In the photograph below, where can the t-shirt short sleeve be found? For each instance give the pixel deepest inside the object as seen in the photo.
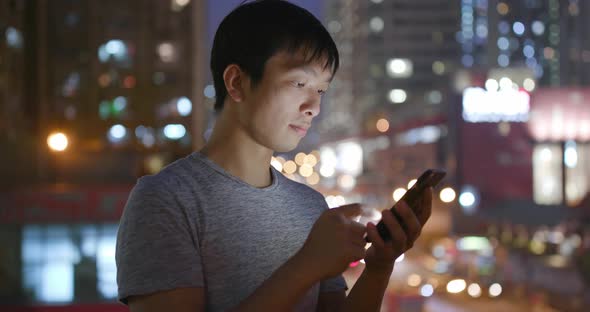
(156, 248)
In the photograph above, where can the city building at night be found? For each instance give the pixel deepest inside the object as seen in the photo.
(94, 95)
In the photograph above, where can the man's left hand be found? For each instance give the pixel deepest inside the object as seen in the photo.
(381, 255)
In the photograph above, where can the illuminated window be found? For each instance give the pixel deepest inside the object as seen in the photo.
(547, 174)
(577, 172)
(65, 263)
(549, 160)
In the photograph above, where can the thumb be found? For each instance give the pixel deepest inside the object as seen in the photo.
(348, 211)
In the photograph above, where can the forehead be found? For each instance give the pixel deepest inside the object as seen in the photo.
(287, 61)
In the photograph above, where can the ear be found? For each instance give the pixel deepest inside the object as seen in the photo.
(234, 79)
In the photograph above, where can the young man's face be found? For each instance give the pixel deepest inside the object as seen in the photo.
(278, 111)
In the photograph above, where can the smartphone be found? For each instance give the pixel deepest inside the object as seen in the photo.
(430, 178)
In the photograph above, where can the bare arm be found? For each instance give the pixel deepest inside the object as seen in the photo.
(366, 295)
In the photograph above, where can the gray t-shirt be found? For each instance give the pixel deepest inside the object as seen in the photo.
(195, 225)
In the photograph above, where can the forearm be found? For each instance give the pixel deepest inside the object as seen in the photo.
(282, 290)
(367, 293)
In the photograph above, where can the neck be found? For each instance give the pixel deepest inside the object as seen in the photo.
(238, 153)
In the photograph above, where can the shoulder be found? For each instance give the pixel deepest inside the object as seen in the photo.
(172, 178)
(303, 191)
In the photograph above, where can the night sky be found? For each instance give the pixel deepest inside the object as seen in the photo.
(218, 9)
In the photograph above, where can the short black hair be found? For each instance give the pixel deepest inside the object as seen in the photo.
(255, 31)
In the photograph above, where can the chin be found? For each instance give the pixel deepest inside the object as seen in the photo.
(284, 146)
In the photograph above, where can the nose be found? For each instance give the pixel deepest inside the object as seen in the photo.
(311, 107)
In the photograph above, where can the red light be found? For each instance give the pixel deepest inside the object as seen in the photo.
(129, 82)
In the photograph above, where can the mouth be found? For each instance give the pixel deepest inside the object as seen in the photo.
(299, 130)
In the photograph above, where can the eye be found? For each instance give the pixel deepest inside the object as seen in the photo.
(320, 92)
(299, 84)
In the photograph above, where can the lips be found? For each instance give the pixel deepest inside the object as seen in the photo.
(300, 130)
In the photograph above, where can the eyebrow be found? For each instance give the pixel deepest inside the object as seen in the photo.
(309, 70)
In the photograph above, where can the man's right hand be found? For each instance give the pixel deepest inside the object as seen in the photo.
(334, 242)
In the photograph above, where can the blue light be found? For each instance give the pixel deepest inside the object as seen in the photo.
(503, 60)
(531, 63)
(481, 31)
(120, 103)
(528, 51)
(209, 91)
(103, 55)
(13, 37)
(117, 133)
(174, 131)
(539, 71)
(503, 43)
(518, 28)
(184, 106)
(467, 60)
(115, 47)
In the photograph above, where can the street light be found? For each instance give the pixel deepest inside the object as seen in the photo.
(57, 141)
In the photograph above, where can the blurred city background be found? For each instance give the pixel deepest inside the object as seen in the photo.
(94, 94)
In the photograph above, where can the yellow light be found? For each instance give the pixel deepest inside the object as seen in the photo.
(305, 170)
(310, 160)
(398, 193)
(502, 8)
(411, 183)
(315, 153)
(382, 125)
(447, 195)
(313, 179)
(414, 280)
(537, 247)
(57, 141)
(299, 158)
(438, 68)
(182, 2)
(280, 159)
(456, 286)
(346, 181)
(433, 281)
(289, 167)
(276, 164)
(154, 164)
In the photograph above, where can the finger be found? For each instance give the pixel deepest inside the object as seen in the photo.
(374, 236)
(398, 236)
(359, 242)
(358, 228)
(413, 225)
(426, 206)
(348, 211)
(357, 253)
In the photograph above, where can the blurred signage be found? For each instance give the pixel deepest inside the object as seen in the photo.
(560, 114)
(480, 105)
(343, 157)
(72, 205)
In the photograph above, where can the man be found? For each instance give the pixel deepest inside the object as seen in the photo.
(221, 229)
